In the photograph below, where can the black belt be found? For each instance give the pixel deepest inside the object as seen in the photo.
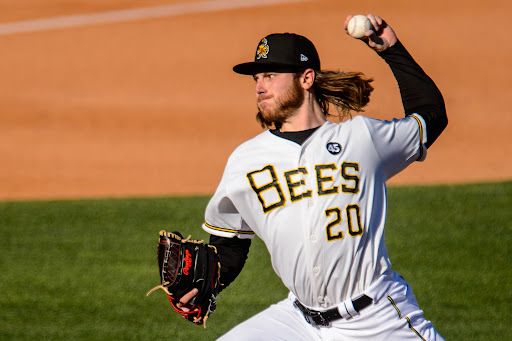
(323, 318)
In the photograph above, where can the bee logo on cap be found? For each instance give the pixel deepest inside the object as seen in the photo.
(263, 49)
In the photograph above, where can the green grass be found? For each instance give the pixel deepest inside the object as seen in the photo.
(80, 269)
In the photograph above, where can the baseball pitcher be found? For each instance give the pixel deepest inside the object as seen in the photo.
(315, 193)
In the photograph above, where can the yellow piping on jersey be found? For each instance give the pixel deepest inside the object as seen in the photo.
(407, 318)
(421, 135)
(223, 229)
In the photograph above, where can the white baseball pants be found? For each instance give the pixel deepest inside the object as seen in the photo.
(394, 316)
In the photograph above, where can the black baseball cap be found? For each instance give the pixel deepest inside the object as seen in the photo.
(281, 52)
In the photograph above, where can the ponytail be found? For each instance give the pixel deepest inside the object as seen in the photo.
(346, 91)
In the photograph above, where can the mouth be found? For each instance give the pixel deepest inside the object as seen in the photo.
(263, 98)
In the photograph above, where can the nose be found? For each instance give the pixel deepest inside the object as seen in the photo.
(260, 88)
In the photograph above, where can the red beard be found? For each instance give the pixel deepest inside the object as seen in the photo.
(283, 106)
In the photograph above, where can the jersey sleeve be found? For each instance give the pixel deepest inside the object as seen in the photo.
(398, 142)
(418, 91)
(222, 218)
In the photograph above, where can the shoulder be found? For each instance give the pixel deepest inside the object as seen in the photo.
(365, 121)
(354, 125)
(252, 144)
(250, 148)
(372, 124)
(354, 121)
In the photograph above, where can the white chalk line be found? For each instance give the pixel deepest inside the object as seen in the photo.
(117, 16)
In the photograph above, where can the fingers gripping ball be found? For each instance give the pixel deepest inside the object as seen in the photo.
(358, 25)
(186, 264)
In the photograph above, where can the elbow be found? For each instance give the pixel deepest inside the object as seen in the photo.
(437, 121)
(443, 119)
(437, 130)
(440, 118)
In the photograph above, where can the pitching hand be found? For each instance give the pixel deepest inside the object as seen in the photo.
(380, 37)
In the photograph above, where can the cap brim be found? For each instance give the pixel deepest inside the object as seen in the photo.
(252, 68)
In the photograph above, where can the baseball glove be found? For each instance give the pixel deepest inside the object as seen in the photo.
(186, 264)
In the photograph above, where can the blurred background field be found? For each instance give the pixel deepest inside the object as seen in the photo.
(80, 269)
(151, 106)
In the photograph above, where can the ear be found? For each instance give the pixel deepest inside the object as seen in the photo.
(307, 79)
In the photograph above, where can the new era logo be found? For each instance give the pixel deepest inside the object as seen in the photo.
(303, 58)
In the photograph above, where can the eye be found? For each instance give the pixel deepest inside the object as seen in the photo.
(270, 75)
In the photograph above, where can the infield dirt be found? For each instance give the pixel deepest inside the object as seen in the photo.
(151, 107)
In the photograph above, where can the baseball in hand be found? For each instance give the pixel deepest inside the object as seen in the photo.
(358, 25)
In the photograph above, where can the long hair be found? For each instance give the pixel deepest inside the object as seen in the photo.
(346, 91)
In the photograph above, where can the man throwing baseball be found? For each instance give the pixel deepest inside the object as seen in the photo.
(314, 191)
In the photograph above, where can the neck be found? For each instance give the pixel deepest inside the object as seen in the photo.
(308, 116)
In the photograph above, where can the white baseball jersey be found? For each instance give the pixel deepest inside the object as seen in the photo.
(319, 207)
